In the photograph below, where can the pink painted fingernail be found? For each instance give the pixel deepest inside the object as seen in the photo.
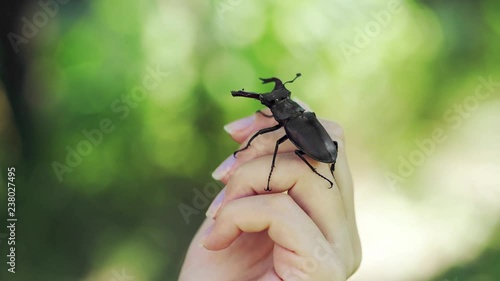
(204, 236)
(223, 168)
(239, 125)
(215, 206)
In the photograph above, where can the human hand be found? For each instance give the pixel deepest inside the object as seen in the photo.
(301, 230)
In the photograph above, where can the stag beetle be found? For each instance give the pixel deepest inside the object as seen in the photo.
(302, 127)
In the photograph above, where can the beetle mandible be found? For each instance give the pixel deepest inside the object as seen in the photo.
(302, 127)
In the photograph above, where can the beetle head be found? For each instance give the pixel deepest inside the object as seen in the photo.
(279, 92)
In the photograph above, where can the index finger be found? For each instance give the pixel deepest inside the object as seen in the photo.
(240, 129)
(264, 145)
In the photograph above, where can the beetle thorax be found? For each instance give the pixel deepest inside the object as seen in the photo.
(275, 97)
(285, 110)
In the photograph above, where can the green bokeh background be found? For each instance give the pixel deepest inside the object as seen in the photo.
(119, 208)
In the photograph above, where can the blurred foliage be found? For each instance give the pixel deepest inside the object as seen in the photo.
(119, 207)
(486, 267)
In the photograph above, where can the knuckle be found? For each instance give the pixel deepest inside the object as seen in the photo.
(228, 212)
(262, 145)
(236, 175)
(259, 144)
(225, 212)
(240, 180)
(281, 203)
(247, 154)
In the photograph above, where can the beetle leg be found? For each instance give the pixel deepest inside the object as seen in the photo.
(260, 132)
(280, 141)
(263, 114)
(336, 145)
(301, 153)
(332, 167)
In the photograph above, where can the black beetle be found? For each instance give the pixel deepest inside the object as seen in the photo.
(302, 127)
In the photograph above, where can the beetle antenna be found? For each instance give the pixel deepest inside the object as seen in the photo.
(296, 76)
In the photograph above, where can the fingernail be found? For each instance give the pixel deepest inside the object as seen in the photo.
(303, 104)
(214, 207)
(239, 125)
(204, 236)
(224, 167)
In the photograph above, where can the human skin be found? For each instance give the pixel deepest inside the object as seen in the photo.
(300, 230)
